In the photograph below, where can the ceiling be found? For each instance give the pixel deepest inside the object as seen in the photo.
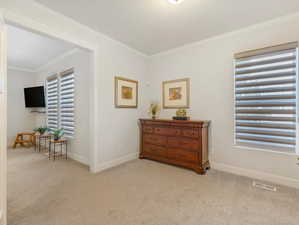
(153, 26)
(29, 51)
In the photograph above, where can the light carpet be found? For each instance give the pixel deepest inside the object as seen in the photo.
(141, 192)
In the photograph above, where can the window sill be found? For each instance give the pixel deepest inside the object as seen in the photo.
(240, 147)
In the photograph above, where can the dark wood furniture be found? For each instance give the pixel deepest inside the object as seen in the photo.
(52, 148)
(182, 143)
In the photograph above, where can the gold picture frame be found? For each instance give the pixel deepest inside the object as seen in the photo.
(126, 93)
(176, 94)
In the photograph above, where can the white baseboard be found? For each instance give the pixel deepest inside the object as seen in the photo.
(256, 175)
(116, 162)
(78, 158)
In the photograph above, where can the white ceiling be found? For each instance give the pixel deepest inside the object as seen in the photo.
(152, 26)
(29, 51)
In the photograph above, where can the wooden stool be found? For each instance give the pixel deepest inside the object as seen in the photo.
(53, 143)
(20, 139)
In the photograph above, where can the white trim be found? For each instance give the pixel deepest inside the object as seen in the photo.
(57, 59)
(22, 69)
(3, 121)
(78, 158)
(287, 181)
(116, 162)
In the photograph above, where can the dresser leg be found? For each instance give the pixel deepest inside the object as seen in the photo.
(141, 157)
(199, 170)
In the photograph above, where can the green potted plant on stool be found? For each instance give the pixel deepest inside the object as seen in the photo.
(57, 134)
(41, 130)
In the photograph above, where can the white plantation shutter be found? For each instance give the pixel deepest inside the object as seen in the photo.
(67, 100)
(266, 98)
(52, 103)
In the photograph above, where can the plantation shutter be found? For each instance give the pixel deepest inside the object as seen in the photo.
(52, 103)
(266, 98)
(67, 98)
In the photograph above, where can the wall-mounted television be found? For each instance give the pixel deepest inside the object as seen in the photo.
(35, 97)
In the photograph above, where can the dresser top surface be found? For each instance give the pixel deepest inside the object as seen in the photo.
(205, 122)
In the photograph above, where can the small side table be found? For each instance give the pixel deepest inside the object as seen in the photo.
(38, 140)
(53, 143)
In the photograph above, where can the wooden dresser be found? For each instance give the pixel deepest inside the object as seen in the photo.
(182, 143)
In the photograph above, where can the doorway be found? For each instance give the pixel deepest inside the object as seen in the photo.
(89, 159)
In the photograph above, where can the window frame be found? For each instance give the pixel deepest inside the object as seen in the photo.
(59, 76)
(258, 148)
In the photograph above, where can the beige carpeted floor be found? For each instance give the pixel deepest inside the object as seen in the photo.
(43, 192)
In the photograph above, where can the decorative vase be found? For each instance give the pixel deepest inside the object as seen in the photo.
(153, 117)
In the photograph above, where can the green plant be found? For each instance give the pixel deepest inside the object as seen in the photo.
(41, 130)
(57, 133)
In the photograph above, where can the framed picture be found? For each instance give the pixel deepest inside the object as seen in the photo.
(176, 93)
(126, 93)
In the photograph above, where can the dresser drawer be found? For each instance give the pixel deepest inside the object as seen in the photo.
(154, 149)
(155, 139)
(193, 133)
(147, 129)
(185, 143)
(167, 131)
(184, 155)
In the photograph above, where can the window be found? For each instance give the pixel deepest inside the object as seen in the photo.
(52, 102)
(66, 100)
(266, 98)
(60, 102)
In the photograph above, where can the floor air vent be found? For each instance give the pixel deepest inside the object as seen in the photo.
(266, 187)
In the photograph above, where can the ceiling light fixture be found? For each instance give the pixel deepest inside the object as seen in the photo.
(175, 1)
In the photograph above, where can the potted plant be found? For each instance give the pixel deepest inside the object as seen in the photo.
(58, 134)
(154, 110)
(41, 130)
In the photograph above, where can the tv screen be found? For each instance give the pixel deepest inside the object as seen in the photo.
(34, 97)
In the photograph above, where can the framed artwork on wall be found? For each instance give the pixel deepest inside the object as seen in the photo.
(176, 94)
(126, 93)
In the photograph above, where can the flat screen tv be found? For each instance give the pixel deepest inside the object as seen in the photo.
(34, 97)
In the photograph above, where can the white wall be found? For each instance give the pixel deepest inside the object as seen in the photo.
(81, 61)
(20, 119)
(209, 64)
(119, 133)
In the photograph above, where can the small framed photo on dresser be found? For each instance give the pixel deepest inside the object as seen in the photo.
(176, 94)
(126, 93)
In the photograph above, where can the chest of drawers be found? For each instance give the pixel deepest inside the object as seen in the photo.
(181, 143)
